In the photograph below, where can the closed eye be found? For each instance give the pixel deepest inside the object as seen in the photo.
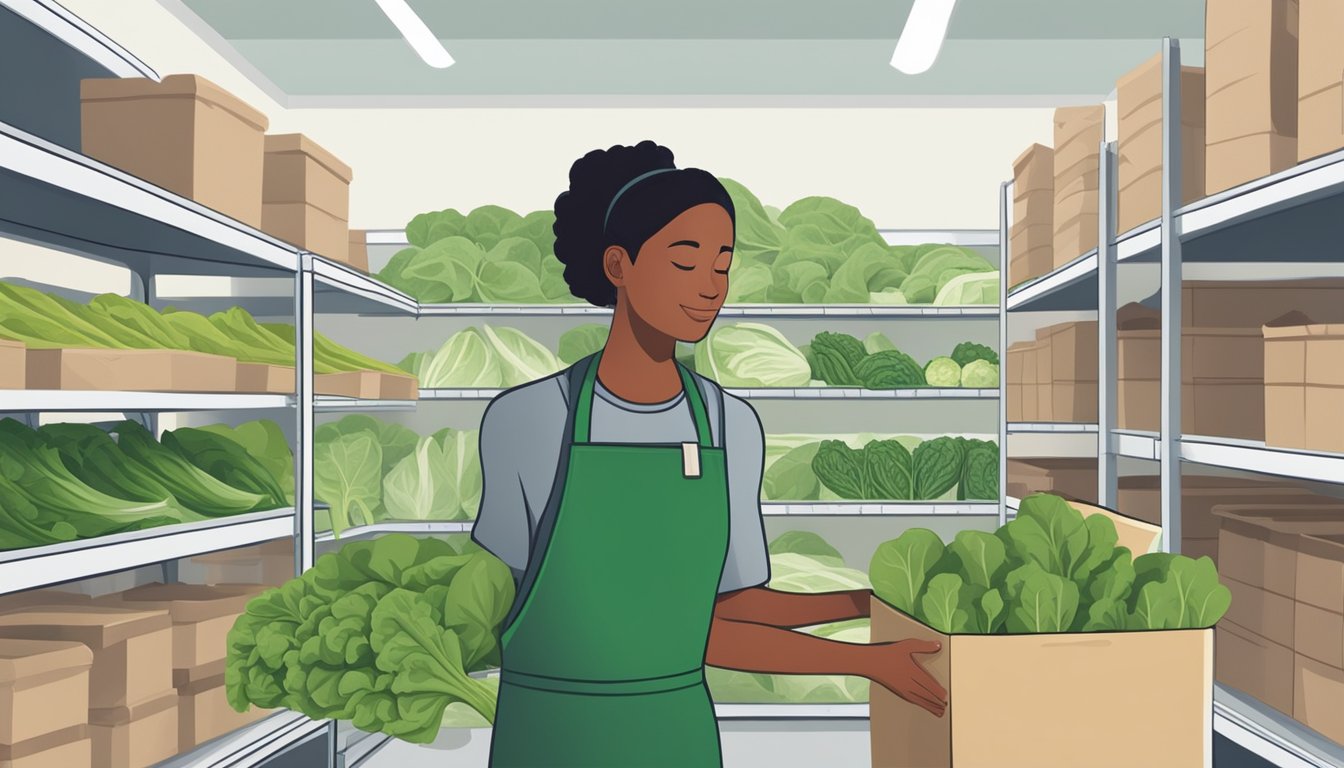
(721, 271)
(683, 267)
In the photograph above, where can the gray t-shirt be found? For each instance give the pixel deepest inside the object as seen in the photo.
(521, 437)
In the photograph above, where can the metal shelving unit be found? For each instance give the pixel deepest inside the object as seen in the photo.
(1292, 211)
(87, 401)
(769, 393)
(251, 745)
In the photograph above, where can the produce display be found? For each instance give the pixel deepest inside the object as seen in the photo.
(816, 251)
(109, 321)
(748, 355)
(368, 470)
(1048, 570)
(383, 633)
(873, 468)
(63, 482)
(801, 562)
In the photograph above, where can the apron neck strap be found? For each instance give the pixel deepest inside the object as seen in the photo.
(583, 404)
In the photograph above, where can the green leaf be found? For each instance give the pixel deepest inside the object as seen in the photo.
(420, 487)
(940, 607)
(982, 556)
(806, 543)
(1101, 540)
(347, 475)
(1157, 606)
(888, 471)
(900, 567)
(937, 467)
(991, 612)
(581, 341)
(521, 358)
(1065, 533)
(465, 360)
(1040, 601)
(791, 477)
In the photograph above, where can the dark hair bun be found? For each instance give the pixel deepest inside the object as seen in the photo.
(580, 238)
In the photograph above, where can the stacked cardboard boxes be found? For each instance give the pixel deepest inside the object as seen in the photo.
(185, 134)
(358, 250)
(1139, 140)
(1033, 215)
(13, 365)
(269, 564)
(306, 196)
(1320, 78)
(1021, 362)
(44, 704)
(202, 617)
(1282, 639)
(1250, 55)
(1071, 352)
(1304, 387)
(1139, 497)
(1078, 135)
(132, 707)
(1074, 479)
(1222, 377)
(1252, 304)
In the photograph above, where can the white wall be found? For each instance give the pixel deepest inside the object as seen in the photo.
(905, 168)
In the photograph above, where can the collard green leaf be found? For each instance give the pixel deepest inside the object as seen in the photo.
(1066, 535)
(941, 605)
(1041, 601)
(901, 566)
(991, 613)
(937, 467)
(839, 468)
(982, 557)
(347, 475)
(888, 472)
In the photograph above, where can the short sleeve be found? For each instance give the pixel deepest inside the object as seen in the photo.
(502, 524)
(748, 564)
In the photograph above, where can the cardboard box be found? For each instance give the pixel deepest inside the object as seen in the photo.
(1069, 478)
(1033, 170)
(135, 736)
(1045, 400)
(1254, 665)
(365, 385)
(1324, 429)
(1078, 135)
(202, 616)
(307, 227)
(1140, 496)
(132, 650)
(1030, 402)
(1285, 416)
(203, 713)
(1030, 350)
(1234, 162)
(1255, 303)
(1139, 141)
(1030, 248)
(1074, 238)
(185, 134)
(1320, 118)
(1138, 536)
(13, 360)
(136, 370)
(1074, 401)
(1251, 57)
(1319, 634)
(263, 378)
(70, 748)
(1320, 571)
(1318, 698)
(270, 564)
(357, 253)
(1264, 613)
(299, 170)
(1013, 407)
(1258, 543)
(1074, 352)
(1198, 548)
(1015, 361)
(393, 387)
(44, 688)
(1014, 699)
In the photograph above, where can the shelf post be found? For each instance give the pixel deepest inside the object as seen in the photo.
(303, 393)
(1004, 212)
(1170, 439)
(1106, 359)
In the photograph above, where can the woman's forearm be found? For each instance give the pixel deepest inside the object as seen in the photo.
(752, 647)
(761, 605)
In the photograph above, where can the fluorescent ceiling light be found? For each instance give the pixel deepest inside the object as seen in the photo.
(923, 36)
(413, 28)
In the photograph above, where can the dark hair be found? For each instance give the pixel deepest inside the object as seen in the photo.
(583, 230)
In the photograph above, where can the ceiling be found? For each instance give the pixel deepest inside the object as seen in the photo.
(311, 53)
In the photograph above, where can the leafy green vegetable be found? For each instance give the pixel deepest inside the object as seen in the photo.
(887, 471)
(791, 477)
(889, 369)
(462, 462)
(806, 543)
(980, 374)
(751, 355)
(581, 341)
(937, 467)
(942, 372)
(347, 476)
(839, 468)
(758, 238)
(417, 486)
(877, 342)
(940, 607)
(836, 356)
(967, 351)
(42, 322)
(194, 487)
(1040, 601)
(228, 462)
(521, 359)
(792, 572)
(901, 566)
(980, 473)
(264, 440)
(466, 359)
(981, 557)
(969, 288)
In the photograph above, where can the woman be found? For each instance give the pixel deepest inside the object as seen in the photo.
(625, 494)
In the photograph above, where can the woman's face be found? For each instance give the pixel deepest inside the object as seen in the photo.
(679, 278)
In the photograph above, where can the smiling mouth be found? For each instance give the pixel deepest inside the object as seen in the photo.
(699, 315)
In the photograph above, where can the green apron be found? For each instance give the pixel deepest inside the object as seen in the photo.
(604, 653)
